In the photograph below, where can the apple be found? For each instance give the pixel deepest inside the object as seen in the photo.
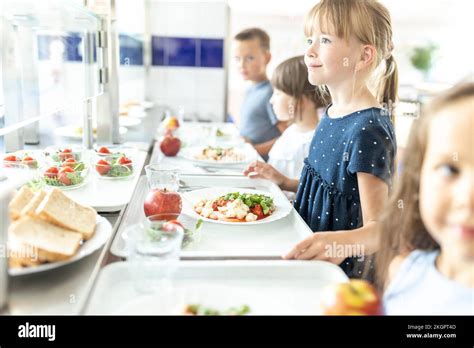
(172, 123)
(170, 145)
(159, 201)
(356, 297)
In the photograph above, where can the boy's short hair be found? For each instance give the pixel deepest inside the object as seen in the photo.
(255, 33)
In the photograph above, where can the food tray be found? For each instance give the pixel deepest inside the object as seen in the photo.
(267, 287)
(263, 241)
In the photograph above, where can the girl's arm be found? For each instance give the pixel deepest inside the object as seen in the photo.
(262, 170)
(365, 240)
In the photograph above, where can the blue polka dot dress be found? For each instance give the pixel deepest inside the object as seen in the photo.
(328, 194)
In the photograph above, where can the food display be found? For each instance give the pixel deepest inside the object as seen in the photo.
(21, 158)
(113, 165)
(356, 297)
(47, 226)
(197, 309)
(220, 154)
(236, 207)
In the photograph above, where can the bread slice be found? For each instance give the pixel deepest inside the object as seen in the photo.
(21, 255)
(30, 208)
(62, 211)
(21, 199)
(51, 243)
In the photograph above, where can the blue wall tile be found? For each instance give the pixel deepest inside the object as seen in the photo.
(131, 50)
(190, 52)
(180, 51)
(212, 53)
(158, 51)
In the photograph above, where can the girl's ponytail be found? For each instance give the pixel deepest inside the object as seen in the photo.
(388, 89)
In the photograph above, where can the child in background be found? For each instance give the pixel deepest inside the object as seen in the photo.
(296, 101)
(427, 233)
(258, 123)
(346, 178)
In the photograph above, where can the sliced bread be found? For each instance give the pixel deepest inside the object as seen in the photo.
(30, 208)
(62, 211)
(51, 243)
(21, 199)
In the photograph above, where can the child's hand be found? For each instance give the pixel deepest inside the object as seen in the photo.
(262, 170)
(319, 246)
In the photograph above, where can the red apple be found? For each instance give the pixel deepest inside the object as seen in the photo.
(172, 123)
(356, 297)
(160, 201)
(170, 145)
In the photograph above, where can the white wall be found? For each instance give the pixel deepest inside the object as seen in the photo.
(200, 91)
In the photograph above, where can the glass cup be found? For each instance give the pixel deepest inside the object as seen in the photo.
(153, 249)
(162, 177)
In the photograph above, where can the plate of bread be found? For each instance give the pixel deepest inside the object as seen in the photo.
(49, 230)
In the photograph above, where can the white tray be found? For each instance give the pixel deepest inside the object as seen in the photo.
(265, 241)
(267, 287)
(108, 195)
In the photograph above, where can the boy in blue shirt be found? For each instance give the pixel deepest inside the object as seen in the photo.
(258, 123)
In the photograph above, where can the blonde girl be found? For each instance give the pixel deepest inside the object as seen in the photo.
(346, 178)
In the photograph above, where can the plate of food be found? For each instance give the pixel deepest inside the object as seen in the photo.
(50, 230)
(235, 206)
(75, 132)
(217, 155)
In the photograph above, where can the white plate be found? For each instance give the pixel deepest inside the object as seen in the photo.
(283, 206)
(71, 132)
(190, 154)
(103, 231)
(128, 121)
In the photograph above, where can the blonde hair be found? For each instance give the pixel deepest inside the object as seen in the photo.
(291, 77)
(369, 21)
(401, 228)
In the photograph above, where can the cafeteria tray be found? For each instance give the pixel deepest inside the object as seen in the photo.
(264, 241)
(267, 287)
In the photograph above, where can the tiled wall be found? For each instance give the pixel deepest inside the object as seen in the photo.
(188, 57)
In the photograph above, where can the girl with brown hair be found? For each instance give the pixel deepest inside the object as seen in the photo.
(296, 102)
(426, 259)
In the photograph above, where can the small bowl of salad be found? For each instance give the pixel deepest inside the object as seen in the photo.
(30, 159)
(59, 154)
(114, 166)
(69, 174)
